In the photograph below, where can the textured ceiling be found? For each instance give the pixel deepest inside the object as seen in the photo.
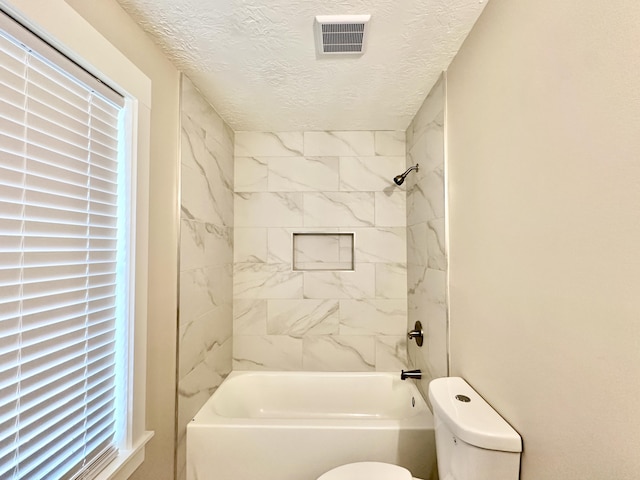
(256, 62)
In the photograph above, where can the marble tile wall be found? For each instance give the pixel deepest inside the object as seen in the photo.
(329, 182)
(426, 245)
(206, 258)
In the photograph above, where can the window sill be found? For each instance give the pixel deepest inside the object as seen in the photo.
(127, 461)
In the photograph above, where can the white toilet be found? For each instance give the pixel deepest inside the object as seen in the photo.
(368, 471)
(473, 442)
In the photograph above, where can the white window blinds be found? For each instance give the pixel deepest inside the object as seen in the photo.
(62, 263)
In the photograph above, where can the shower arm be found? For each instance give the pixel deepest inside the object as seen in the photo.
(412, 167)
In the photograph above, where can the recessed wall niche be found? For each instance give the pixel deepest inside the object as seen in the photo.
(323, 251)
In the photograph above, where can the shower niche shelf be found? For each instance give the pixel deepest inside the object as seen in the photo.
(323, 251)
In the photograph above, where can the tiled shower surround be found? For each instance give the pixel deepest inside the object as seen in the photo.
(206, 257)
(426, 245)
(326, 182)
(237, 282)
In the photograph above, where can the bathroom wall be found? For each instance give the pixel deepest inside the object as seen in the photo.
(115, 25)
(206, 258)
(543, 122)
(319, 320)
(426, 246)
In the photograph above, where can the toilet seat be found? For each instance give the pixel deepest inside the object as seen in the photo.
(367, 471)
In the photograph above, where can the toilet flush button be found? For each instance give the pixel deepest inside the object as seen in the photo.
(463, 398)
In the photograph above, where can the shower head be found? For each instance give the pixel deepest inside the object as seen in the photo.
(399, 179)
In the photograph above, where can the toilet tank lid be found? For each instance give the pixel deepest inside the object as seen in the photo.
(475, 421)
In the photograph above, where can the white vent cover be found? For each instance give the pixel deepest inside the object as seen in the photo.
(341, 34)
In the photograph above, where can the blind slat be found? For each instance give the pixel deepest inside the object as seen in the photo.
(56, 405)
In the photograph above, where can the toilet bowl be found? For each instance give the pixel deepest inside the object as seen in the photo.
(368, 471)
(473, 442)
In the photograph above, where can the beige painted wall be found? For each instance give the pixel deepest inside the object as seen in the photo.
(544, 181)
(110, 20)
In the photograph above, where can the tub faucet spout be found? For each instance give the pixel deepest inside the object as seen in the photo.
(417, 374)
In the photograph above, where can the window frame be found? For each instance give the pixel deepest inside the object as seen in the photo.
(62, 27)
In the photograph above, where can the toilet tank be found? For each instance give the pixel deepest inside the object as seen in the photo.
(473, 442)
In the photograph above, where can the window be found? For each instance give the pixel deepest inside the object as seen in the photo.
(65, 265)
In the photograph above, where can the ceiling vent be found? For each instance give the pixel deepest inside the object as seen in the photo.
(341, 34)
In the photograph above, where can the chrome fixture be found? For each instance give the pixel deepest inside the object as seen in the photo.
(399, 179)
(416, 333)
(415, 374)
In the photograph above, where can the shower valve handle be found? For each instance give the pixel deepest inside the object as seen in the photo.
(416, 333)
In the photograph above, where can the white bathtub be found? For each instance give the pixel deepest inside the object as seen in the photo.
(298, 425)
